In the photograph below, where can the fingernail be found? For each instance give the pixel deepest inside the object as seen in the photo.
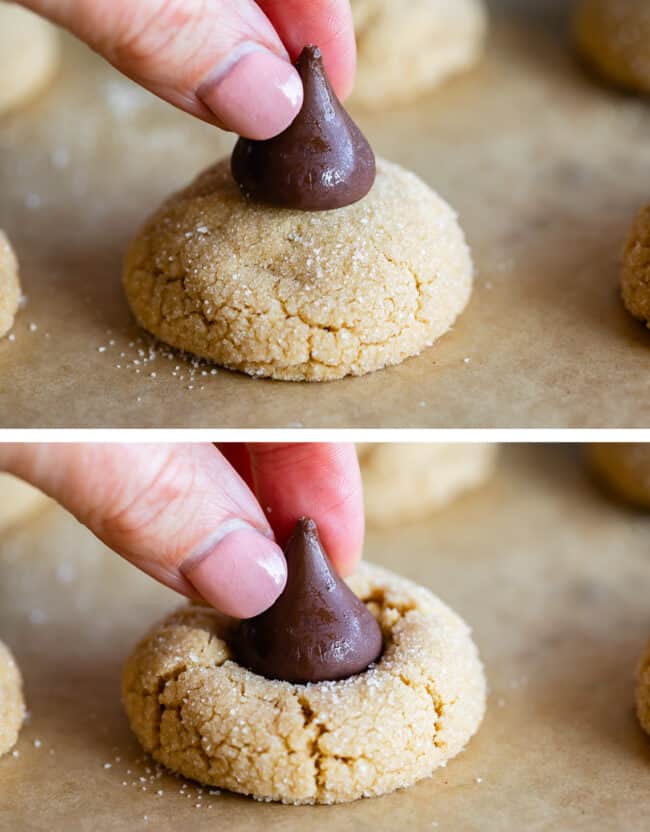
(255, 94)
(240, 572)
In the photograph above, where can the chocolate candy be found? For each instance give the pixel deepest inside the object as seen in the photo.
(320, 162)
(317, 630)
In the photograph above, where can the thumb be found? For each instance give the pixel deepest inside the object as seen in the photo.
(220, 60)
(178, 512)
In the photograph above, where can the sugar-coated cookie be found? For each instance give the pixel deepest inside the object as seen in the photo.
(295, 295)
(12, 704)
(614, 37)
(407, 47)
(9, 285)
(197, 711)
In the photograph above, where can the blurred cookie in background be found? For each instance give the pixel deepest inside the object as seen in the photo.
(29, 55)
(614, 38)
(407, 47)
(405, 482)
(18, 500)
(635, 273)
(623, 469)
(643, 690)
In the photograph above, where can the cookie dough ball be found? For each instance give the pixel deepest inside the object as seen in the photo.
(406, 482)
(9, 285)
(614, 36)
(204, 716)
(635, 274)
(12, 704)
(29, 53)
(18, 500)
(296, 295)
(624, 469)
(406, 47)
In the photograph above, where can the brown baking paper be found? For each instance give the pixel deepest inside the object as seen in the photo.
(546, 166)
(552, 576)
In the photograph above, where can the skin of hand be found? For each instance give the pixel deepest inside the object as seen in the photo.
(206, 521)
(226, 61)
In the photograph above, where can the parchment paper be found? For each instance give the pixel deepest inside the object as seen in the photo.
(552, 576)
(546, 167)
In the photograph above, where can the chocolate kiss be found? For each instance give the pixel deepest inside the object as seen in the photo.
(317, 630)
(321, 161)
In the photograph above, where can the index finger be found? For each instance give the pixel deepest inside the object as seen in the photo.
(320, 480)
(324, 23)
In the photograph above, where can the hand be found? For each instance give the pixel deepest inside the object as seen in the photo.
(225, 61)
(205, 521)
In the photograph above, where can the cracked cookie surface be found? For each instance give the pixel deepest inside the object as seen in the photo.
(406, 47)
(635, 274)
(406, 482)
(624, 468)
(614, 37)
(12, 705)
(296, 295)
(9, 285)
(204, 716)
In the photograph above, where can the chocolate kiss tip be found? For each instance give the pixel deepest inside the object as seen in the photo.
(320, 162)
(317, 630)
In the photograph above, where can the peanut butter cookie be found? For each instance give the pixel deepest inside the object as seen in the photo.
(300, 296)
(12, 705)
(18, 500)
(635, 275)
(29, 55)
(9, 285)
(407, 47)
(624, 469)
(643, 690)
(197, 711)
(408, 481)
(614, 36)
